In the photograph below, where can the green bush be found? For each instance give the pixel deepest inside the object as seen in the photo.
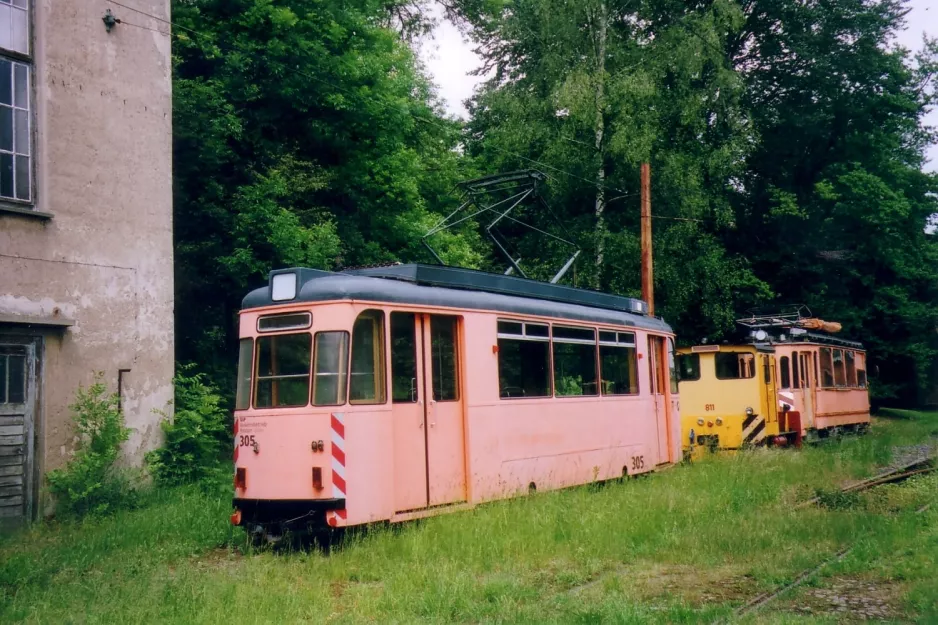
(89, 482)
(197, 434)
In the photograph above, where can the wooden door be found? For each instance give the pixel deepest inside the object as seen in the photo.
(408, 412)
(17, 401)
(446, 449)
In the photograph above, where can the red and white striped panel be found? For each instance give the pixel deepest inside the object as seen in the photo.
(786, 398)
(337, 517)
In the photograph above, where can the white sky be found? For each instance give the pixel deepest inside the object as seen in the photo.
(449, 58)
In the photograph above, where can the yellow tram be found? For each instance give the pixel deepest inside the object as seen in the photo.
(789, 378)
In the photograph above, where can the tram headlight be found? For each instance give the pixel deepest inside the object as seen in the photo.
(283, 286)
(719, 421)
(700, 421)
(749, 411)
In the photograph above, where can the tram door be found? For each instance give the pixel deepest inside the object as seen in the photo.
(659, 379)
(429, 447)
(807, 388)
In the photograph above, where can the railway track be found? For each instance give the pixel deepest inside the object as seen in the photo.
(919, 466)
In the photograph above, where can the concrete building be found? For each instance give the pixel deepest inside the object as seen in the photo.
(86, 256)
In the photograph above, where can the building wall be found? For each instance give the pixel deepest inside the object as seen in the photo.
(102, 144)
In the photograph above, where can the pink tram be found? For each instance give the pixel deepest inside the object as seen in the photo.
(399, 392)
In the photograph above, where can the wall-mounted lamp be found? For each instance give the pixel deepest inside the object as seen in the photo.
(109, 20)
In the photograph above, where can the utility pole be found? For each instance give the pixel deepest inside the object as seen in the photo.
(648, 271)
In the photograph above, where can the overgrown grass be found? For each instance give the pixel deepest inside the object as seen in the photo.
(683, 546)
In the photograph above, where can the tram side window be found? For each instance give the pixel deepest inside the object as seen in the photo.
(245, 361)
(786, 376)
(329, 370)
(795, 374)
(282, 371)
(851, 368)
(827, 368)
(734, 365)
(672, 368)
(366, 384)
(861, 370)
(574, 361)
(403, 358)
(688, 367)
(443, 355)
(523, 360)
(618, 363)
(840, 377)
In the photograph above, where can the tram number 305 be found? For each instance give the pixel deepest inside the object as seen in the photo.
(246, 440)
(638, 462)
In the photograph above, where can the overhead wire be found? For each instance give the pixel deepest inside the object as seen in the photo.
(433, 122)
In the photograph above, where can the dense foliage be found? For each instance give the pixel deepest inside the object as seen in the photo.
(89, 482)
(197, 434)
(785, 139)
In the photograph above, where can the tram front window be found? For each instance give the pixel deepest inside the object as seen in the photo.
(329, 368)
(282, 371)
(366, 385)
(735, 365)
(688, 367)
(245, 356)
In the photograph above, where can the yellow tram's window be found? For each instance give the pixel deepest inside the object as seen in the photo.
(367, 382)
(827, 368)
(618, 363)
(245, 360)
(688, 367)
(282, 371)
(330, 368)
(735, 365)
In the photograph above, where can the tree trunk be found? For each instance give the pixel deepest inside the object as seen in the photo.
(599, 129)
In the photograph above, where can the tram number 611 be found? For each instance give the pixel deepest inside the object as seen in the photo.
(246, 440)
(638, 462)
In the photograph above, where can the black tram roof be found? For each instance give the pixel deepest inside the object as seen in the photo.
(459, 288)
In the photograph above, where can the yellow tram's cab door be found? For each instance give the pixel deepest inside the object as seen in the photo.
(427, 394)
(658, 376)
(769, 396)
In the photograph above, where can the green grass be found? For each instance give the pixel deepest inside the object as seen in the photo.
(684, 546)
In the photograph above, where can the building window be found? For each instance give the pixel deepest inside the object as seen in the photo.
(14, 25)
(282, 371)
(734, 365)
(574, 361)
(523, 360)
(366, 385)
(12, 375)
(688, 367)
(15, 136)
(786, 376)
(618, 363)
